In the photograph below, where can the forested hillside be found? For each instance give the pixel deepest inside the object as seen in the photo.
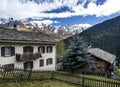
(105, 35)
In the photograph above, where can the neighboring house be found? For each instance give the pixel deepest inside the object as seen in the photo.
(20, 25)
(27, 50)
(103, 61)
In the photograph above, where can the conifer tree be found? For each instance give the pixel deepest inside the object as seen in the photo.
(77, 56)
(118, 55)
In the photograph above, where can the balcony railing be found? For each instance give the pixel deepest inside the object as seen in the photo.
(27, 57)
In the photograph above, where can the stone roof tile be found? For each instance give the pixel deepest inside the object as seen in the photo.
(12, 34)
(102, 54)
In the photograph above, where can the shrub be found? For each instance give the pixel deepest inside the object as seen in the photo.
(118, 72)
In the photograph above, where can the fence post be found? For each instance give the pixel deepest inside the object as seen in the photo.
(52, 74)
(83, 81)
(29, 75)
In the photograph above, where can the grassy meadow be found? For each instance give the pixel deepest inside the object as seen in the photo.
(46, 83)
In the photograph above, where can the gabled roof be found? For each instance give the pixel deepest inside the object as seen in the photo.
(110, 58)
(14, 35)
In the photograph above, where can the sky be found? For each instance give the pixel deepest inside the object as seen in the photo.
(60, 12)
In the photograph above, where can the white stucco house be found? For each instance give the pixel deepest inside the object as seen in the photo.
(27, 50)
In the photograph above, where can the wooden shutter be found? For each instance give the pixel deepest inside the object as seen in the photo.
(38, 49)
(31, 64)
(2, 51)
(12, 51)
(47, 61)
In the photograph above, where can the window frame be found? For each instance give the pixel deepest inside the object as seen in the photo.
(41, 49)
(41, 63)
(49, 49)
(9, 67)
(8, 51)
(49, 61)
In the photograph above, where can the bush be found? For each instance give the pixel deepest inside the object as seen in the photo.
(118, 72)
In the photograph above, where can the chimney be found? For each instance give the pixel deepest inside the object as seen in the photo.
(10, 19)
(89, 46)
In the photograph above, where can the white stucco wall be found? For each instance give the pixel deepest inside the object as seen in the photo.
(19, 50)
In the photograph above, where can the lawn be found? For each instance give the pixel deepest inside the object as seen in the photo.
(46, 83)
(50, 79)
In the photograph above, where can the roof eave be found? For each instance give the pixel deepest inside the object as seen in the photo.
(29, 42)
(103, 59)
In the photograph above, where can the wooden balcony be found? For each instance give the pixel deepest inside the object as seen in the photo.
(27, 57)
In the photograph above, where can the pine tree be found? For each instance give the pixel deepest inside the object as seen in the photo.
(118, 55)
(77, 56)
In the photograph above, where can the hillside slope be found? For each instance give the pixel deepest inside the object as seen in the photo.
(105, 35)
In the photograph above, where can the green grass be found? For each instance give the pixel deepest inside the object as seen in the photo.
(100, 81)
(46, 83)
(92, 81)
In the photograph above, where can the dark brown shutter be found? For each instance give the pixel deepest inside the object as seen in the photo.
(31, 64)
(38, 49)
(2, 51)
(47, 62)
(12, 51)
(43, 49)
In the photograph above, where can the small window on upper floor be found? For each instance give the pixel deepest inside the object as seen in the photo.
(49, 49)
(41, 49)
(49, 61)
(7, 51)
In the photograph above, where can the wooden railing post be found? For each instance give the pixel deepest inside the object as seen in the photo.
(29, 75)
(52, 75)
(83, 79)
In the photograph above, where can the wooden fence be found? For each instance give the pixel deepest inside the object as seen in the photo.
(12, 75)
(29, 75)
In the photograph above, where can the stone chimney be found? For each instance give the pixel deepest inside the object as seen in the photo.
(12, 24)
(89, 46)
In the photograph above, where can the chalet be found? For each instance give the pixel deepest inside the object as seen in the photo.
(27, 50)
(103, 61)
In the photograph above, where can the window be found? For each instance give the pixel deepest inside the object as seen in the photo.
(41, 49)
(49, 49)
(7, 51)
(49, 61)
(8, 67)
(28, 50)
(28, 65)
(41, 62)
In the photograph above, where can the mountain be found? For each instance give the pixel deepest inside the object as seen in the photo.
(105, 35)
(64, 31)
(60, 32)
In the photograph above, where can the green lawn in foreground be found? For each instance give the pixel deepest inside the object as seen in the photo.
(46, 83)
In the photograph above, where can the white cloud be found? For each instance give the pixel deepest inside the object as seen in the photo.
(106, 9)
(85, 25)
(47, 22)
(17, 10)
